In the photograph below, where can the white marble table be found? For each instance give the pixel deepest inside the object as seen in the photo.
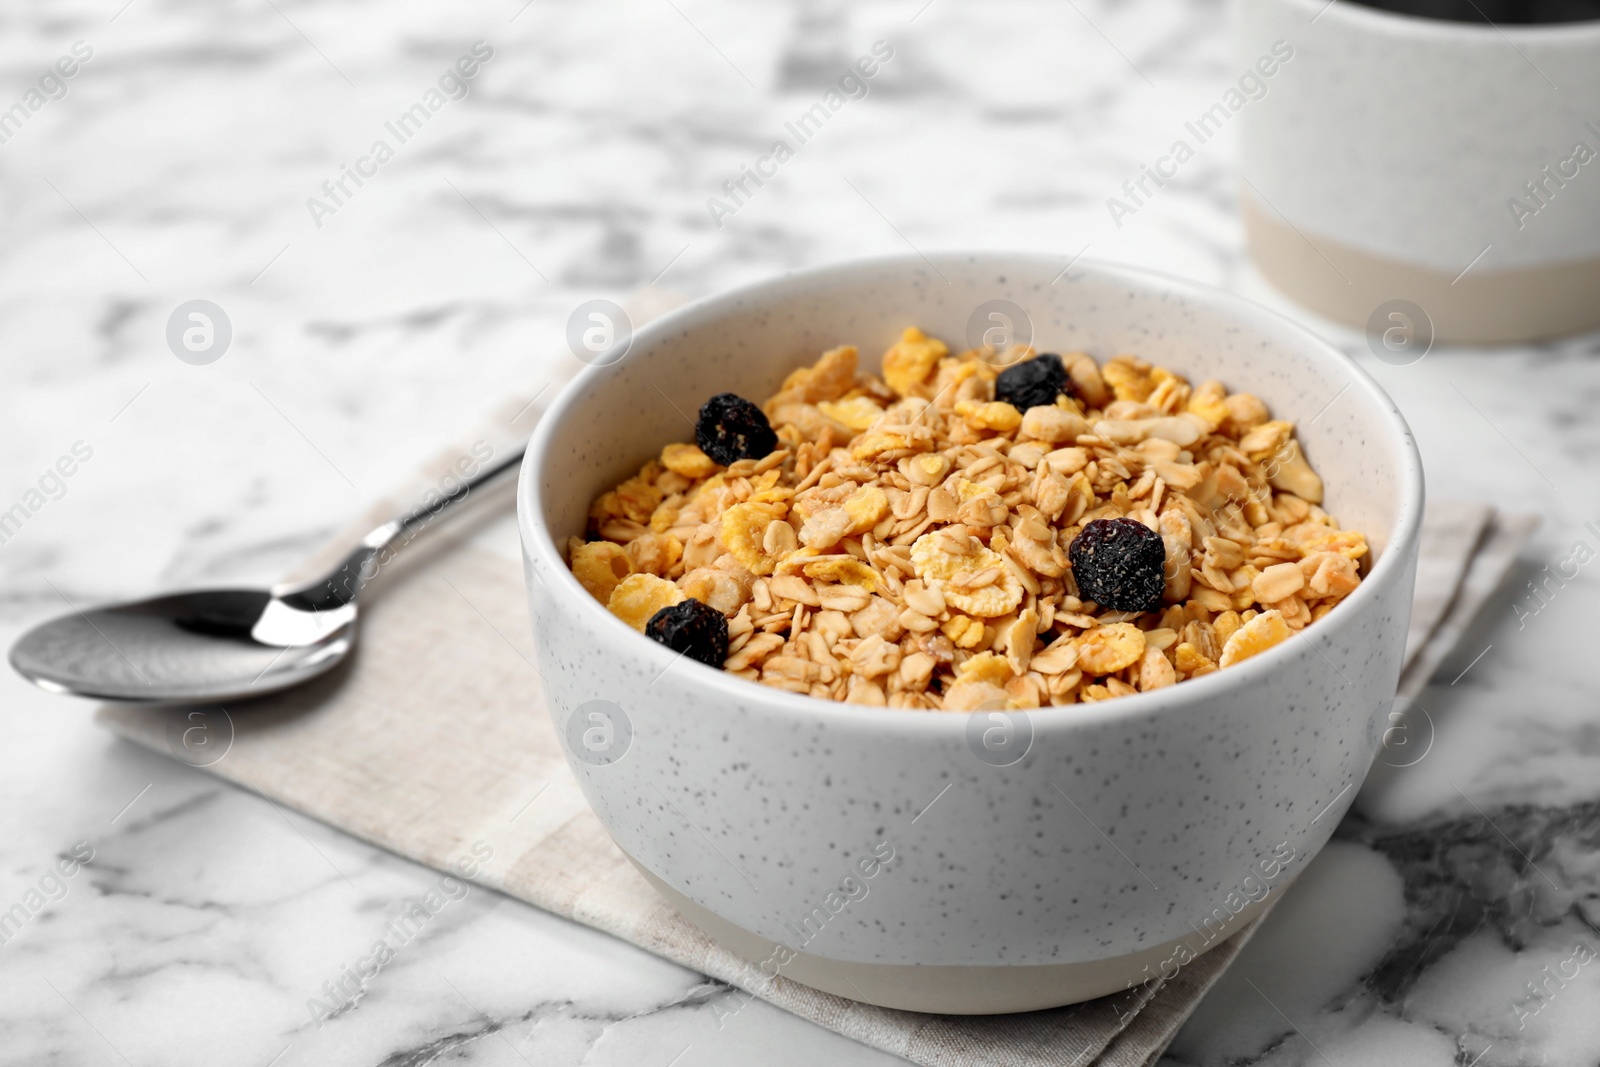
(178, 165)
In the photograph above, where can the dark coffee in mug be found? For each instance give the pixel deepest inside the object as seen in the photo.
(1484, 12)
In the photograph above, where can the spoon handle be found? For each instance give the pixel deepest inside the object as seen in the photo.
(411, 523)
(341, 585)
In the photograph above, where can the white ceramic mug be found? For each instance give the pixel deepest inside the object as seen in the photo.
(1451, 165)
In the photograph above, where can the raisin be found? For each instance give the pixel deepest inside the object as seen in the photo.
(1119, 564)
(1033, 383)
(731, 428)
(697, 630)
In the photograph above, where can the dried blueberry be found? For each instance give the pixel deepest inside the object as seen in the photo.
(731, 428)
(697, 630)
(1033, 383)
(1119, 564)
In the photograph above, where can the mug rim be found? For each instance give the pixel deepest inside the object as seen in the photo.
(562, 585)
(1362, 16)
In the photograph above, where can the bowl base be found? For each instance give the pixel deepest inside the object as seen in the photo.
(957, 989)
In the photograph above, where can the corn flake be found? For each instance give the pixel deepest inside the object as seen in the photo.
(937, 567)
(857, 414)
(688, 461)
(908, 364)
(1255, 637)
(639, 596)
(985, 667)
(744, 527)
(1108, 649)
(866, 508)
(599, 566)
(843, 571)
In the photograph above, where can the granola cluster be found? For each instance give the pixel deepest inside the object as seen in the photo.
(910, 540)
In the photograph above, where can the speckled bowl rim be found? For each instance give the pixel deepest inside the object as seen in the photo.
(1582, 34)
(561, 583)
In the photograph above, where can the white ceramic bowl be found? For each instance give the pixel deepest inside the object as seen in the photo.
(884, 855)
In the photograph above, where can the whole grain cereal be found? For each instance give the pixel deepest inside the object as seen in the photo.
(912, 541)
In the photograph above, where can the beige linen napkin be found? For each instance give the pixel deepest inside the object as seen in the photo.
(1467, 551)
(433, 742)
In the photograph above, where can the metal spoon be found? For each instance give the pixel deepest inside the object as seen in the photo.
(221, 644)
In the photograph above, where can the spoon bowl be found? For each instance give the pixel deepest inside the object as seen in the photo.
(198, 646)
(209, 645)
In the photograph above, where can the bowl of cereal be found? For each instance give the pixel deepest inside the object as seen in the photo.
(963, 636)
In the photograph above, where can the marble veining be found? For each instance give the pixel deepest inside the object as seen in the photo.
(178, 165)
